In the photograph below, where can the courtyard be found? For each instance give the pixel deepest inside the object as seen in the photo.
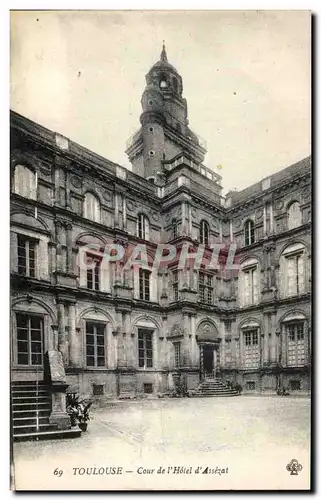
(241, 442)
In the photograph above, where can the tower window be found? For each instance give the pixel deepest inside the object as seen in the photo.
(175, 84)
(151, 153)
(150, 102)
(151, 129)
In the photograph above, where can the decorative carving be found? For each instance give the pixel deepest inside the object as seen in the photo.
(108, 198)
(131, 206)
(155, 216)
(237, 223)
(194, 213)
(176, 331)
(279, 205)
(57, 370)
(76, 181)
(259, 213)
(167, 217)
(45, 169)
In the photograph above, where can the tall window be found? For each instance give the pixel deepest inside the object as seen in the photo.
(92, 207)
(26, 256)
(25, 182)
(205, 288)
(174, 229)
(29, 339)
(145, 348)
(95, 344)
(93, 273)
(250, 290)
(296, 343)
(251, 349)
(295, 274)
(294, 215)
(177, 353)
(249, 236)
(144, 284)
(175, 285)
(204, 232)
(228, 351)
(143, 227)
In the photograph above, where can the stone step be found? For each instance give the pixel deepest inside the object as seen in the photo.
(31, 420)
(48, 434)
(46, 405)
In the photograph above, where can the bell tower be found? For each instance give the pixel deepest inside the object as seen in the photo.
(164, 132)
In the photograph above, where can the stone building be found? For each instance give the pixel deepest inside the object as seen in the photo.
(127, 332)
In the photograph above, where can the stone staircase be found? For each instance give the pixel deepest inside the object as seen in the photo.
(214, 387)
(31, 409)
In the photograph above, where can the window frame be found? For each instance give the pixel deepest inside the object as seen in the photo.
(205, 288)
(28, 241)
(145, 348)
(177, 354)
(296, 221)
(94, 272)
(249, 233)
(32, 193)
(96, 207)
(144, 284)
(204, 234)
(143, 227)
(96, 344)
(29, 340)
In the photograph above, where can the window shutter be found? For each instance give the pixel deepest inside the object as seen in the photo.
(146, 224)
(247, 289)
(255, 285)
(42, 259)
(136, 282)
(291, 276)
(301, 277)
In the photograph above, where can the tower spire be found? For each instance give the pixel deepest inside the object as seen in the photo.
(163, 53)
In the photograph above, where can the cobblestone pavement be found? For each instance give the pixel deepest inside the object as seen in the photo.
(254, 438)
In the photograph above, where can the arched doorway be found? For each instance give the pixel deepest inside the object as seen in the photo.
(209, 347)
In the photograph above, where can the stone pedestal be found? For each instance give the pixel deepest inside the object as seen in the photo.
(59, 416)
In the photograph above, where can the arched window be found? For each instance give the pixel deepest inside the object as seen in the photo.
(294, 215)
(293, 270)
(249, 283)
(92, 207)
(204, 232)
(25, 182)
(249, 236)
(251, 344)
(143, 227)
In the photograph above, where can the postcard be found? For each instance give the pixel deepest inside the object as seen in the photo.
(160, 247)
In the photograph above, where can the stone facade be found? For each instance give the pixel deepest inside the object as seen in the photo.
(125, 333)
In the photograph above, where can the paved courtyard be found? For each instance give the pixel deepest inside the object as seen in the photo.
(205, 443)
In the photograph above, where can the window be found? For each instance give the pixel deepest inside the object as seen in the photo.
(151, 153)
(251, 349)
(148, 388)
(145, 349)
(93, 273)
(174, 230)
(144, 286)
(294, 215)
(143, 227)
(296, 343)
(294, 274)
(95, 344)
(92, 208)
(295, 385)
(25, 182)
(250, 385)
(205, 288)
(175, 285)
(177, 352)
(204, 232)
(26, 256)
(175, 84)
(250, 292)
(249, 236)
(29, 340)
(98, 390)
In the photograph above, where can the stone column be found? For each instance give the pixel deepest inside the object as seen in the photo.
(189, 220)
(266, 340)
(274, 339)
(67, 187)
(185, 343)
(231, 231)
(57, 185)
(220, 231)
(70, 261)
(59, 251)
(62, 333)
(271, 218)
(124, 213)
(116, 213)
(73, 340)
(264, 220)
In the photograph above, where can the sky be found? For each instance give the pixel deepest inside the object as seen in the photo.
(246, 78)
